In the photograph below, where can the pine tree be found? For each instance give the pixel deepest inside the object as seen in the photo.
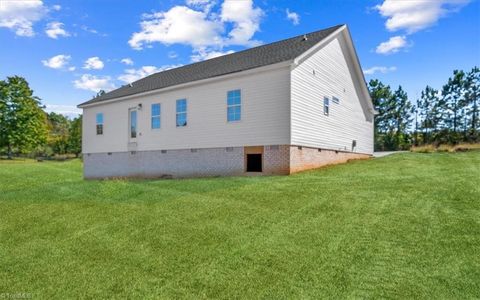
(472, 98)
(381, 97)
(452, 94)
(402, 118)
(427, 105)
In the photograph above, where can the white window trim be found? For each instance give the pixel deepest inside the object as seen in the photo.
(159, 116)
(97, 123)
(234, 105)
(183, 112)
(326, 106)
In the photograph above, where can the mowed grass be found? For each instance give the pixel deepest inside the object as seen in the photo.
(402, 226)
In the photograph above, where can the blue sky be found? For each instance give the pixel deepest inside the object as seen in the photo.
(67, 50)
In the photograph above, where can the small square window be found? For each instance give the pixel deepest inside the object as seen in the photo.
(335, 100)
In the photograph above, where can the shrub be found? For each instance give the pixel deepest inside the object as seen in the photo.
(445, 148)
(423, 149)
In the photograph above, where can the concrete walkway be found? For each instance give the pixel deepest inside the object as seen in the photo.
(385, 153)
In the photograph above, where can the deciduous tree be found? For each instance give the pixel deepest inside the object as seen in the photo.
(22, 120)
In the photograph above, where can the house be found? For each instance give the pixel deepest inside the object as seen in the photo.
(279, 108)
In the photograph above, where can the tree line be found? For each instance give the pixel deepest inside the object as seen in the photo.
(449, 115)
(26, 129)
(445, 116)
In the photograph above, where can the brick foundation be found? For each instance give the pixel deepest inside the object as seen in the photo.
(303, 158)
(277, 160)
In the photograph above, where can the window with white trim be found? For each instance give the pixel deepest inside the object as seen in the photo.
(326, 106)
(181, 118)
(99, 122)
(234, 106)
(156, 112)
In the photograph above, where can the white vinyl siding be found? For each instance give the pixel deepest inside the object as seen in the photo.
(346, 121)
(264, 119)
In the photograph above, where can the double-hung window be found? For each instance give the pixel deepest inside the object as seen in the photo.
(156, 112)
(99, 122)
(181, 119)
(234, 106)
(326, 106)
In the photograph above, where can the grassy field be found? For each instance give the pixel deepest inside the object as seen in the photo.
(403, 226)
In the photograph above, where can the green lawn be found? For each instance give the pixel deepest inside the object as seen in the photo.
(403, 226)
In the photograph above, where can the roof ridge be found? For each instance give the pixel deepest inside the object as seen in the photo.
(236, 52)
(228, 63)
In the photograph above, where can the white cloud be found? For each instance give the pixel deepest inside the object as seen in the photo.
(91, 30)
(393, 45)
(56, 7)
(54, 30)
(379, 69)
(57, 62)
(293, 16)
(20, 15)
(66, 110)
(205, 5)
(93, 63)
(204, 54)
(72, 69)
(415, 15)
(245, 19)
(127, 61)
(131, 75)
(94, 83)
(88, 29)
(200, 28)
(180, 25)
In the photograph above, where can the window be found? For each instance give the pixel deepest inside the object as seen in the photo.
(133, 124)
(335, 100)
(156, 112)
(326, 106)
(99, 124)
(181, 112)
(234, 106)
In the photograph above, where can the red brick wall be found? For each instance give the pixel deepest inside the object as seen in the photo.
(276, 160)
(311, 158)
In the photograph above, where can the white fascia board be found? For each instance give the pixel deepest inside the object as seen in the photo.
(302, 57)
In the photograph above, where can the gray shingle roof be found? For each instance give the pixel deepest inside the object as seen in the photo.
(264, 55)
